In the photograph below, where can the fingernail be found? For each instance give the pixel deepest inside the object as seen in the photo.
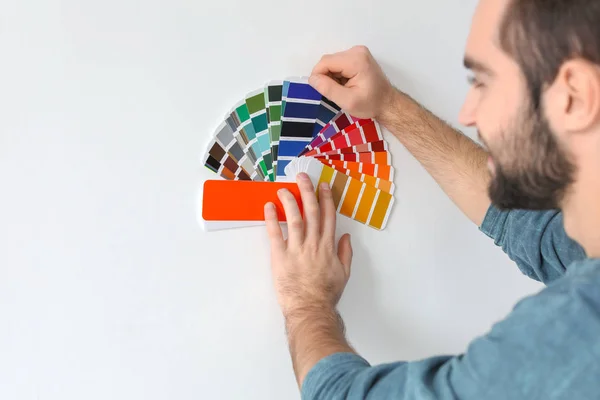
(312, 80)
(302, 176)
(281, 192)
(269, 209)
(325, 186)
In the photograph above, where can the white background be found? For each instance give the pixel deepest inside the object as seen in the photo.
(108, 287)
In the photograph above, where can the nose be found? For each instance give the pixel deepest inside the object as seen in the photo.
(466, 116)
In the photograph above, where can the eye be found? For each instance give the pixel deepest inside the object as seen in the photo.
(473, 81)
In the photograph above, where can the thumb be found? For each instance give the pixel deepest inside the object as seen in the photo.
(345, 252)
(329, 88)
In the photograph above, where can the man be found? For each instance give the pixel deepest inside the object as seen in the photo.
(535, 99)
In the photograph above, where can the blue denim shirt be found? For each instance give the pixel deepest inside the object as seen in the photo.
(547, 348)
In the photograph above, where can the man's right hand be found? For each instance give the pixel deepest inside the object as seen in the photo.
(354, 81)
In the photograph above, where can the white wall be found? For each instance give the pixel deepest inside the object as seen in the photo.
(109, 289)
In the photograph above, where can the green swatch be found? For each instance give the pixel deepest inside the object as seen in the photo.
(257, 109)
(273, 94)
(248, 129)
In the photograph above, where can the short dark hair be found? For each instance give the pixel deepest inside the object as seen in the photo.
(540, 35)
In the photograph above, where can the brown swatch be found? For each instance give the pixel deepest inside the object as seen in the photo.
(244, 176)
(217, 151)
(337, 189)
(231, 164)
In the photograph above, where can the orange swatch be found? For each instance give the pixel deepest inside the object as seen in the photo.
(383, 184)
(224, 200)
(377, 170)
(371, 157)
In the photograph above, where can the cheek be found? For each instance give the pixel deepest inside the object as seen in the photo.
(489, 120)
(499, 110)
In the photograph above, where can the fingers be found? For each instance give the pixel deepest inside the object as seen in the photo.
(327, 212)
(345, 252)
(345, 63)
(329, 88)
(293, 217)
(342, 77)
(311, 207)
(273, 227)
(340, 65)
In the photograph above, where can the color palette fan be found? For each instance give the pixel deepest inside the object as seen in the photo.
(286, 128)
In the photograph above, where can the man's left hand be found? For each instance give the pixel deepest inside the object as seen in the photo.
(309, 271)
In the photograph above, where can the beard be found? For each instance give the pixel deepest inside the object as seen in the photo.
(535, 172)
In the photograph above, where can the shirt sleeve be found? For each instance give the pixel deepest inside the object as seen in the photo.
(546, 348)
(535, 240)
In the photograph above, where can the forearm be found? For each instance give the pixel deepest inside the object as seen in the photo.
(313, 334)
(457, 163)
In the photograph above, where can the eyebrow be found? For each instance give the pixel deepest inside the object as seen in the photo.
(475, 65)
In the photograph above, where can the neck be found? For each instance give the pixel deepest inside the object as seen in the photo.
(582, 211)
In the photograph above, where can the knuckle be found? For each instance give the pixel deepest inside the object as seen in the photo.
(330, 207)
(312, 248)
(311, 209)
(328, 245)
(296, 224)
(352, 102)
(274, 237)
(362, 51)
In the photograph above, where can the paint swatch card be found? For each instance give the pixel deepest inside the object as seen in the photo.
(247, 127)
(236, 204)
(225, 155)
(361, 132)
(302, 104)
(371, 157)
(257, 109)
(328, 110)
(234, 123)
(284, 128)
(381, 171)
(273, 96)
(342, 122)
(353, 198)
(220, 161)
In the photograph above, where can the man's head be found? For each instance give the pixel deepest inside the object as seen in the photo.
(535, 97)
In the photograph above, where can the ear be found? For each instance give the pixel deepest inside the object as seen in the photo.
(574, 97)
